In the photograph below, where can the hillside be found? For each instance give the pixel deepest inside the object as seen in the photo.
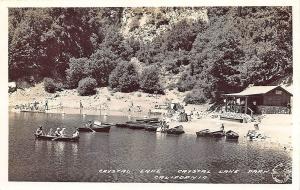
(204, 50)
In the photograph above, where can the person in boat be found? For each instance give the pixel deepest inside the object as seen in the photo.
(89, 124)
(62, 132)
(50, 132)
(76, 133)
(57, 132)
(39, 131)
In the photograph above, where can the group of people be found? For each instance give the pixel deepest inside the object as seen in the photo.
(58, 132)
(33, 106)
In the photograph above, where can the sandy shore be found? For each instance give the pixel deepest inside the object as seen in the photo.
(135, 102)
(279, 133)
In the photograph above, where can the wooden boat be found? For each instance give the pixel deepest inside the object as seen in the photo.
(148, 123)
(122, 125)
(231, 135)
(203, 133)
(151, 127)
(217, 134)
(148, 120)
(54, 138)
(136, 125)
(96, 127)
(176, 130)
(33, 111)
(103, 128)
(128, 124)
(255, 135)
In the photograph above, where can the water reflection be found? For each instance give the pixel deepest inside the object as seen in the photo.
(105, 118)
(74, 149)
(38, 145)
(59, 148)
(49, 146)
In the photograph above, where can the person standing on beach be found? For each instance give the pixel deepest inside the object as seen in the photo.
(46, 105)
(80, 104)
(256, 127)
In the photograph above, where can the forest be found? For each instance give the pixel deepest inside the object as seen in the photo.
(85, 48)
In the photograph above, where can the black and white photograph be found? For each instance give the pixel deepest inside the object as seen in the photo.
(151, 94)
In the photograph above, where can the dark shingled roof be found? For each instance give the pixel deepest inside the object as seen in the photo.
(255, 90)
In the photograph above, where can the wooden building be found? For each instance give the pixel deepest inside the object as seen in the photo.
(259, 100)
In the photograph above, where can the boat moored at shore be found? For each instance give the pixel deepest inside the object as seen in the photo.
(178, 130)
(231, 135)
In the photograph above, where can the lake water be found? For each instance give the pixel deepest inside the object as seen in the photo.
(125, 155)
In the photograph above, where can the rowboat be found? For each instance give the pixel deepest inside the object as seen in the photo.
(55, 138)
(122, 125)
(96, 127)
(203, 133)
(33, 111)
(176, 130)
(231, 135)
(136, 125)
(148, 120)
(217, 134)
(102, 128)
(151, 127)
(128, 124)
(255, 135)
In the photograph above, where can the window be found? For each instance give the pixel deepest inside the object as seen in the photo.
(278, 92)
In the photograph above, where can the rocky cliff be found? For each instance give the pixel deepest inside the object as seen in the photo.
(144, 24)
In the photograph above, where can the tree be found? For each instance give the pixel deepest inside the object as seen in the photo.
(26, 51)
(149, 80)
(78, 69)
(182, 35)
(102, 63)
(124, 77)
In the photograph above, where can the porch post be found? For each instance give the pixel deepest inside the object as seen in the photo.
(234, 104)
(226, 103)
(246, 104)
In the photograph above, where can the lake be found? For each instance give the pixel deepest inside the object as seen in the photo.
(126, 155)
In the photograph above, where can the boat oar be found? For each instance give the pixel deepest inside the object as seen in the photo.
(55, 138)
(90, 128)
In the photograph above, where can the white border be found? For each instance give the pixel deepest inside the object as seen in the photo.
(5, 185)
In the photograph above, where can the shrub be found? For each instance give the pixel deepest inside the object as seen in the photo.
(78, 69)
(59, 86)
(196, 96)
(124, 77)
(87, 86)
(150, 81)
(186, 82)
(22, 84)
(49, 85)
(172, 86)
